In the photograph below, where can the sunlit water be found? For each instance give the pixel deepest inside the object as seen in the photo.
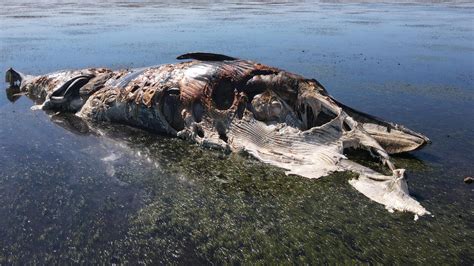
(70, 195)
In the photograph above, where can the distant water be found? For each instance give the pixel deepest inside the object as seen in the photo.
(68, 195)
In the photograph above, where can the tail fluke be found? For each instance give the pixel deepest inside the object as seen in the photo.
(14, 78)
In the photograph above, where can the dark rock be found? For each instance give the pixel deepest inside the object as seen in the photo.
(468, 179)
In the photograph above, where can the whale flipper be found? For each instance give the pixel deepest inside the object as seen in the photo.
(70, 88)
(67, 97)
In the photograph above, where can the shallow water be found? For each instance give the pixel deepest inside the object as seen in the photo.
(70, 195)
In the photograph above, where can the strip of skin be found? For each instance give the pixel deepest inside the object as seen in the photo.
(238, 105)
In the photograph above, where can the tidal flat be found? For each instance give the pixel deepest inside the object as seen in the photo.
(71, 195)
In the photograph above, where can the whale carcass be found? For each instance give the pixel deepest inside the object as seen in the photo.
(218, 101)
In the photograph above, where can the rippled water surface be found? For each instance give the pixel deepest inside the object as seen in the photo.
(68, 195)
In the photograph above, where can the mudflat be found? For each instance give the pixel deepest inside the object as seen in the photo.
(70, 195)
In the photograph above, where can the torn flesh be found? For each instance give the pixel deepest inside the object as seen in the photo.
(218, 101)
(318, 151)
(304, 154)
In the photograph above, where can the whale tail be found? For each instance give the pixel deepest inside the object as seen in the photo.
(14, 78)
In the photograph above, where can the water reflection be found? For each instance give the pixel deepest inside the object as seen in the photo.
(13, 93)
(72, 123)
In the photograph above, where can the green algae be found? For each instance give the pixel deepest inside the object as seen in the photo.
(200, 206)
(236, 209)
